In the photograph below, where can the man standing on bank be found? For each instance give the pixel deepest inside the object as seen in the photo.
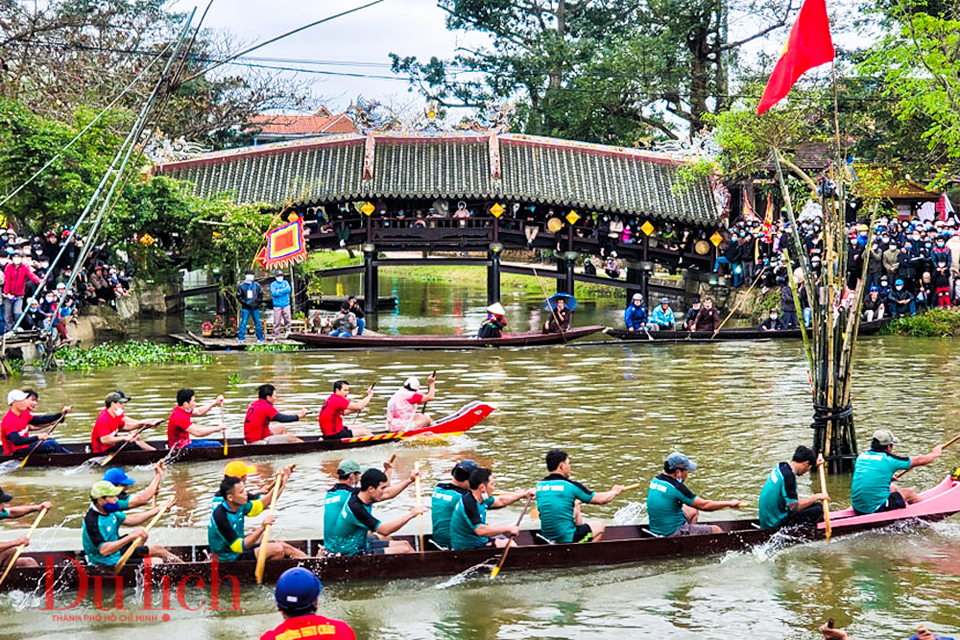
(673, 508)
(280, 292)
(250, 296)
(779, 504)
(557, 496)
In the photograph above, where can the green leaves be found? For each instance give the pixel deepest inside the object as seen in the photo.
(135, 353)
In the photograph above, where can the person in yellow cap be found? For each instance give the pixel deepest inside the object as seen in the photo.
(226, 531)
(102, 543)
(242, 470)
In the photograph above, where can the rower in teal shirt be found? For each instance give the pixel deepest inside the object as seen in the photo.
(348, 474)
(351, 534)
(557, 496)
(468, 526)
(446, 496)
(673, 509)
(779, 502)
(873, 489)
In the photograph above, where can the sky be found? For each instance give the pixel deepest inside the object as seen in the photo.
(365, 39)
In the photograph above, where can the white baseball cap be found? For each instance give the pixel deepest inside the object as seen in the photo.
(16, 396)
(412, 383)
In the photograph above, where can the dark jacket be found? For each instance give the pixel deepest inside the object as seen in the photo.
(706, 320)
(247, 299)
(787, 304)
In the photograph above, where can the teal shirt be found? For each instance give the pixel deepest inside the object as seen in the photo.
(4, 514)
(446, 497)
(872, 476)
(556, 497)
(665, 500)
(225, 531)
(350, 535)
(123, 501)
(778, 492)
(467, 516)
(99, 529)
(333, 504)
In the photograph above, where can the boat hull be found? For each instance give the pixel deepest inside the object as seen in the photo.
(464, 419)
(525, 339)
(621, 545)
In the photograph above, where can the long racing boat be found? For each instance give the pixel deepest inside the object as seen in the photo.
(523, 339)
(468, 416)
(620, 544)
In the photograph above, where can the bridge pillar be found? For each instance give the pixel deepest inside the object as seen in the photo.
(567, 262)
(493, 273)
(370, 285)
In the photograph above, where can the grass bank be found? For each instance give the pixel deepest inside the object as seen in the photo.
(935, 323)
(508, 281)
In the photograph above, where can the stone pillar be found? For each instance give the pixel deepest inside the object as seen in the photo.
(370, 285)
(493, 273)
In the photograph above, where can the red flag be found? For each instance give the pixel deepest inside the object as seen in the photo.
(768, 219)
(809, 46)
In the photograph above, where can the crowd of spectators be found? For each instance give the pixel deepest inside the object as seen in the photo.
(31, 284)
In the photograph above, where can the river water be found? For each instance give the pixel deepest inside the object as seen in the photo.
(618, 409)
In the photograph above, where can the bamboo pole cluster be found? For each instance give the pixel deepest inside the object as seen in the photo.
(829, 343)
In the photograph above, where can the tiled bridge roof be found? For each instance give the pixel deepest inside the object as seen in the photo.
(505, 167)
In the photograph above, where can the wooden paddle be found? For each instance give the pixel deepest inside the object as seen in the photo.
(16, 555)
(416, 466)
(631, 487)
(357, 414)
(107, 460)
(138, 540)
(828, 530)
(265, 539)
(423, 407)
(37, 446)
(223, 421)
(506, 550)
(946, 444)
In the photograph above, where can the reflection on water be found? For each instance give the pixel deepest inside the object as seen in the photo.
(618, 410)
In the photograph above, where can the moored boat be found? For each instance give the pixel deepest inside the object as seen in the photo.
(866, 328)
(621, 544)
(467, 417)
(523, 339)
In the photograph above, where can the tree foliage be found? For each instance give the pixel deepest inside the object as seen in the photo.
(85, 52)
(598, 70)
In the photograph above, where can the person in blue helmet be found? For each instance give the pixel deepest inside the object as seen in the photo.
(297, 593)
(118, 477)
(900, 300)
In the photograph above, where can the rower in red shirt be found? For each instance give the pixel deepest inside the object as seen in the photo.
(107, 436)
(180, 425)
(337, 406)
(256, 424)
(19, 421)
(296, 594)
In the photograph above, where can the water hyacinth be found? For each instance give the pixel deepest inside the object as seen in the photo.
(133, 353)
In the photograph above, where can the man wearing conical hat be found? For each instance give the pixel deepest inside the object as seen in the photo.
(495, 322)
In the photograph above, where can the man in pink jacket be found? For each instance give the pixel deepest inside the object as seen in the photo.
(14, 284)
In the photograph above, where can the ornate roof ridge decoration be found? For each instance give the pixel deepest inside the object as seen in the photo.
(643, 154)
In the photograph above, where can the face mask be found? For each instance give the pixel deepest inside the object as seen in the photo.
(119, 411)
(17, 260)
(899, 287)
(111, 507)
(279, 278)
(915, 237)
(774, 317)
(940, 243)
(248, 278)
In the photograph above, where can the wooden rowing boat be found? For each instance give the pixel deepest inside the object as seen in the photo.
(467, 417)
(866, 328)
(524, 339)
(621, 544)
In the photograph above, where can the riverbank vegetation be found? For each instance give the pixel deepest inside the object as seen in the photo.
(133, 353)
(935, 323)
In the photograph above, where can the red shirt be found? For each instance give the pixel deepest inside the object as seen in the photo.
(311, 626)
(13, 423)
(256, 424)
(177, 426)
(331, 415)
(107, 424)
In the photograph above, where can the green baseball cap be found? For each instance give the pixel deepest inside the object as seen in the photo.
(103, 489)
(348, 467)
